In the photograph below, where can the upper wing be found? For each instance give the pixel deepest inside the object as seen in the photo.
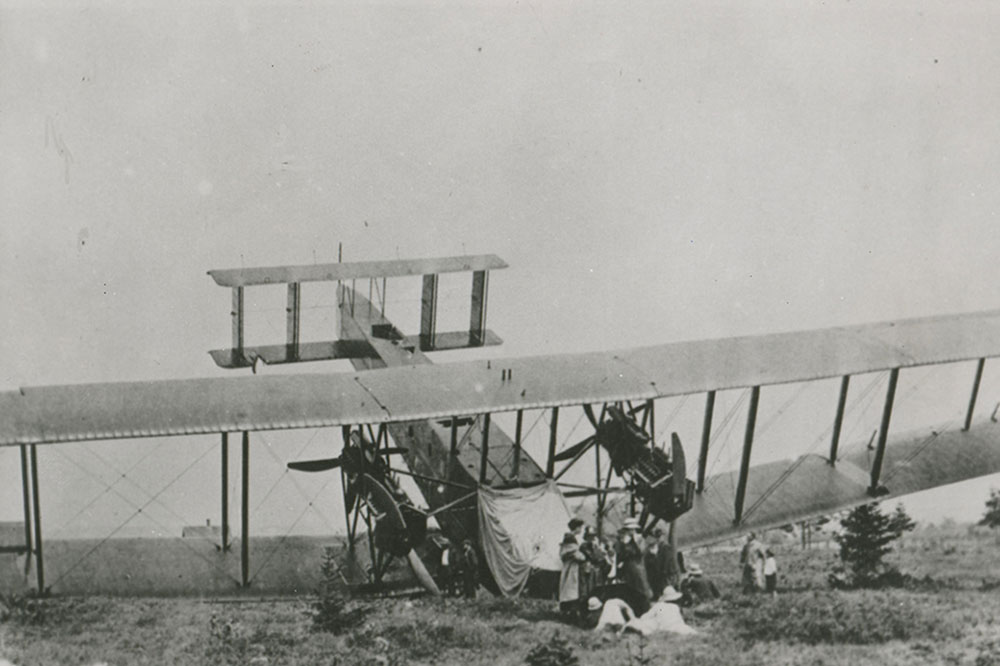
(125, 410)
(245, 277)
(787, 491)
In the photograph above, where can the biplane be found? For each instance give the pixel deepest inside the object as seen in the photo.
(401, 415)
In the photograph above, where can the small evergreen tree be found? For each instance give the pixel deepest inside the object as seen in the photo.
(864, 541)
(332, 611)
(991, 518)
(900, 521)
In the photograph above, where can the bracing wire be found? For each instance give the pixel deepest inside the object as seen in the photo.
(108, 487)
(92, 550)
(284, 537)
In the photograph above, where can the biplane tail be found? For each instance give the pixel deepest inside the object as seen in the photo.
(347, 275)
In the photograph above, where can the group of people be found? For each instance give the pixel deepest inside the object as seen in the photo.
(760, 568)
(628, 583)
(458, 569)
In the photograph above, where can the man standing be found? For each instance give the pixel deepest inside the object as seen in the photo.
(470, 570)
(656, 563)
(630, 558)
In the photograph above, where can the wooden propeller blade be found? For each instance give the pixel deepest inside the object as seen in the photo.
(571, 452)
(588, 492)
(589, 411)
(315, 465)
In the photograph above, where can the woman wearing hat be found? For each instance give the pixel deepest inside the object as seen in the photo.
(630, 558)
(663, 616)
(572, 558)
(611, 614)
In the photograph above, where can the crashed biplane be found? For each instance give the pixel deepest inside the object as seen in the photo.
(477, 481)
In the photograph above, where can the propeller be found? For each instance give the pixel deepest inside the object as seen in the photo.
(321, 465)
(325, 464)
(589, 492)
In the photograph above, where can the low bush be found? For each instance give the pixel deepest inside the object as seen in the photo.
(861, 618)
(24, 610)
(554, 652)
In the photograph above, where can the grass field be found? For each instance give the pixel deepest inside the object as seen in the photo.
(951, 616)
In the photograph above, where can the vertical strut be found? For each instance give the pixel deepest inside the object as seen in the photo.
(477, 319)
(516, 465)
(706, 436)
(26, 504)
(550, 466)
(39, 562)
(484, 451)
(883, 432)
(454, 436)
(237, 314)
(597, 484)
(245, 540)
(975, 393)
(838, 420)
(428, 312)
(225, 492)
(741, 486)
(293, 318)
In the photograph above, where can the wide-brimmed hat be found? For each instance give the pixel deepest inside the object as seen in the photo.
(694, 570)
(670, 594)
(631, 524)
(593, 604)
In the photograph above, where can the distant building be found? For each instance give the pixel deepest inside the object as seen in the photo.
(206, 531)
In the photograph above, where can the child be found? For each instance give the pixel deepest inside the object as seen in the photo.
(771, 573)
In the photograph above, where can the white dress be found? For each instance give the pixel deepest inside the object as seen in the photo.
(615, 615)
(661, 617)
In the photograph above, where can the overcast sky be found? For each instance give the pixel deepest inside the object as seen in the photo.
(660, 172)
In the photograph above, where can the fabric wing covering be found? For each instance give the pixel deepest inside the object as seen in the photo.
(520, 530)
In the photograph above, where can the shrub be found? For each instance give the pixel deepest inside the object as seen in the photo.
(555, 652)
(21, 609)
(332, 611)
(835, 618)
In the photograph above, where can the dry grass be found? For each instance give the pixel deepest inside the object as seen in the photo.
(952, 622)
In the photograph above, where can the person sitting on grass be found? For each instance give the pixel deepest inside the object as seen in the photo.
(696, 588)
(664, 616)
(612, 614)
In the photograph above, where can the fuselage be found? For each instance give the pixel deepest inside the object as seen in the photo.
(429, 442)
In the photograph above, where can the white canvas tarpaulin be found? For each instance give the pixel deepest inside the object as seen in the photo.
(521, 529)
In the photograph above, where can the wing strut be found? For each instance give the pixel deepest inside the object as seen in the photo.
(741, 486)
(883, 432)
(245, 514)
(40, 566)
(293, 311)
(26, 504)
(550, 466)
(706, 436)
(975, 393)
(225, 491)
(516, 465)
(838, 420)
(484, 451)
